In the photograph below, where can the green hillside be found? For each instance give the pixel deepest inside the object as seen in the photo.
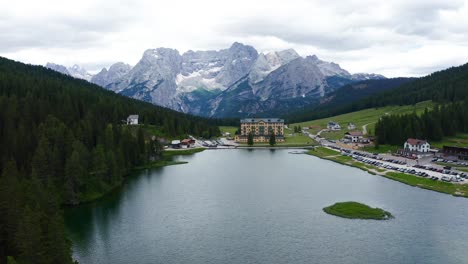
(361, 118)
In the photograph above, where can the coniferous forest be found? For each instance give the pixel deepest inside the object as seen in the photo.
(63, 141)
(445, 120)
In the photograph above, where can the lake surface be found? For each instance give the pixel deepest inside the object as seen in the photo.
(264, 206)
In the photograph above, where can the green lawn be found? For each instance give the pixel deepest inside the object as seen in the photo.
(333, 135)
(230, 129)
(189, 151)
(355, 210)
(360, 118)
(425, 183)
(325, 152)
(439, 186)
(298, 138)
(460, 140)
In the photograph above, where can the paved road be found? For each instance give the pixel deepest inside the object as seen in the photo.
(364, 128)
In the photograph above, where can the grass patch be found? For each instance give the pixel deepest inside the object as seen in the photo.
(460, 140)
(230, 129)
(355, 210)
(438, 186)
(412, 180)
(333, 135)
(323, 152)
(189, 151)
(363, 117)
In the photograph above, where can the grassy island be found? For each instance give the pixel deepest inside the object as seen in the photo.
(355, 210)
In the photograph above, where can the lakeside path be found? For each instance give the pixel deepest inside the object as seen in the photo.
(455, 189)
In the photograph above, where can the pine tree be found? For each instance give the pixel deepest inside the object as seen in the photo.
(74, 172)
(272, 139)
(28, 237)
(250, 140)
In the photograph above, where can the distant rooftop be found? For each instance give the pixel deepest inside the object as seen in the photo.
(414, 141)
(266, 120)
(133, 116)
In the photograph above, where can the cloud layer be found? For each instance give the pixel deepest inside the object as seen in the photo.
(394, 38)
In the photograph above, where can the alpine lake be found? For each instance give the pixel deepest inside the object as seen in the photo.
(265, 206)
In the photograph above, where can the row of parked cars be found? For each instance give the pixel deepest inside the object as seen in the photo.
(445, 171)
(455, 162)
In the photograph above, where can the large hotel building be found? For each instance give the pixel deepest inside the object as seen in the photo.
(261, 129)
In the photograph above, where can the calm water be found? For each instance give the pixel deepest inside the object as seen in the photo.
(262, 206)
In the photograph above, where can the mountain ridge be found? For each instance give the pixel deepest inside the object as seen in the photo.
(195, 81)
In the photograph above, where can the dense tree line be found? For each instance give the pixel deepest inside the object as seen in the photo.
(63, 141)
(445, 120)
(445, 86)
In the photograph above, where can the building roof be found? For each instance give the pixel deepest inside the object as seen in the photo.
(332, 123)
(354, 133)
(185, 141)
(266, 120)
(175, 142)
(133, 116)
(414, 141)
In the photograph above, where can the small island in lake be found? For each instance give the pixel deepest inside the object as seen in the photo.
(355, 210)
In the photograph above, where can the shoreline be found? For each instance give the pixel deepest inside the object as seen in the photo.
(411, 180)
(165, 161)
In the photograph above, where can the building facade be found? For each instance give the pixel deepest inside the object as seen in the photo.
(354, 136)
(416, 145)
(333, 126)
(132, 120)
(460, 153)
(261, 129)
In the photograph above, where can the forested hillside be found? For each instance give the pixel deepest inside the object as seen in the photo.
(445, 120)
(449, 85)
(63, 141)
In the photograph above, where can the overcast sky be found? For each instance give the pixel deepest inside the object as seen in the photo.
(394, 38)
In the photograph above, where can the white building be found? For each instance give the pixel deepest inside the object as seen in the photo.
(351, 126)
(416, 145)
(354, 136)
(333, 126)
(132, 120)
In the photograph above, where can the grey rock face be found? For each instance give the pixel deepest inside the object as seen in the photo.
(229, 82)
(115, 72)
(153, 77)
(367, 76)
(265, 64)
(80, 73)
(57, 67)
(239, 61)
(74, 71)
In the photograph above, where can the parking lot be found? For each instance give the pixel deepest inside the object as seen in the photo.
(400, 164)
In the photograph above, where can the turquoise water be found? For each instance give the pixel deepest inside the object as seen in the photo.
(263, 206)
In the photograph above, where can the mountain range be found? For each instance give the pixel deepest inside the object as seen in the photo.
(234, 82)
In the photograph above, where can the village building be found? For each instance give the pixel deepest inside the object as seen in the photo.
(261, 129)
(354, 136)
(333, 126)
(175, 144)
(187, 143)
(416, 145)
(460, 153)
(132, 120)
(351, 126)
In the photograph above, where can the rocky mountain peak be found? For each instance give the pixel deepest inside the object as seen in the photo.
(57, 67)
